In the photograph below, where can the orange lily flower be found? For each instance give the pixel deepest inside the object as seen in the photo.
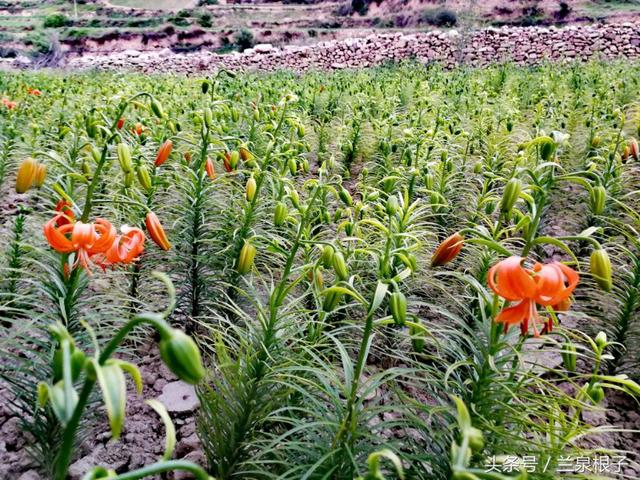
(126, 247)
(9, 104)
(164, 152)
(447, 250)
(138, 129)
(548, 285)
(34, 91)
(156, 232)
(210, 168)
(86, 239)
(227, 162)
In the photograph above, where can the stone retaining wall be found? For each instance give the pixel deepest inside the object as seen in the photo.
(524, 45)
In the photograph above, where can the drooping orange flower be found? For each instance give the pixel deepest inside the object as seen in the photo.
(138, 129)
(126, 247)
(34, 92)
(9, 104)
(156, 232)
(226, 160)
(85, 239)
(210, 168)
(548, 285)
(447, 250)
(164, 152)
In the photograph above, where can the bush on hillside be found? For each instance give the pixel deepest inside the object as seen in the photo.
(55, 21)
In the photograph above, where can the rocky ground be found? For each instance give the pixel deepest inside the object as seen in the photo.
(142, 440)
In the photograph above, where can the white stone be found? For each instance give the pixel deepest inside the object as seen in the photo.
(179, 397)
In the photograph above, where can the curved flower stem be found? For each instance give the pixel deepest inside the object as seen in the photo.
(68, 438)
(157, 320)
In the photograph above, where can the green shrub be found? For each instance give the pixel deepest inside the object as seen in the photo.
(440, 17)
(56, 21)
(38, 42)
(75, 33)
(205, 20)
(244, 39)
(360, 6)
(204, 3)
(179, 21)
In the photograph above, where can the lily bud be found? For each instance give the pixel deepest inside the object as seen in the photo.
(26, 175)
(392, 205)
(250, 189)
(156, 108)
(447, 250)
(280, 214)
(633, 149)
(327, 256)
(77, 362)
(318, 278)
(510, 195)
(398, 307)
(601, 340)
(340, 266)
(569, 356)
(120, 123)
(600, 266)
(595, 392)
(429, 181)
(144, 178)
(245, 154)
(295, 198)
(128, 179)
(210, 169)
(293, 166)
(124, 157)
(245, 259)
(547, 149)
(476, 440)
(181, 355)
(331, 300)
(40, 175)
(626, 151)
(208, 117)
(563, 305)
(597, 199)
(163, 152)
(156, 232)
(234, 158)
(345, 196)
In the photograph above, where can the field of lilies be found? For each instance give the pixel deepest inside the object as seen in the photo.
(403, 272)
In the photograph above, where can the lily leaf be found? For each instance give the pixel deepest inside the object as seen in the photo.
(170, 429)
(114, 393)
